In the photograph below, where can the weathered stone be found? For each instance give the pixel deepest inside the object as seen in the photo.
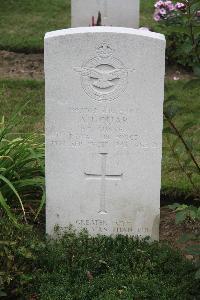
(104, 101)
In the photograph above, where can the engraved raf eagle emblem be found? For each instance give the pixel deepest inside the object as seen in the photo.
(102, 79)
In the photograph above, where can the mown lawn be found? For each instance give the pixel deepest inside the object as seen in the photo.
(23, 23)
(14, 93)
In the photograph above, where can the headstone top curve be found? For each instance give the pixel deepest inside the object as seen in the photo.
(104, 29)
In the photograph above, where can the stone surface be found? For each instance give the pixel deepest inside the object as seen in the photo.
(122, 13)
(104, 101)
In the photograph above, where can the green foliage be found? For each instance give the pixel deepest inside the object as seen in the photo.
(191, 243)
(187, 162)
(146, 13)
(79, 267)
(14, 93)
(185, 212)
(21, 171)
(82, 267)
(19, 248)
(182, 31)
(189, 213)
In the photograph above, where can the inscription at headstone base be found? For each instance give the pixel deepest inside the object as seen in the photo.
(122, 13)
(104, 98)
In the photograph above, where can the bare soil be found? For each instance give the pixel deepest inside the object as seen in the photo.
(21, 65)
(31, 66)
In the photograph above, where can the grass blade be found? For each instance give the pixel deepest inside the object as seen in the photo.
(8, 211)
(42, 202)
(15, 192)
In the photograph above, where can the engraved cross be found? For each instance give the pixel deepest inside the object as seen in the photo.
(103, 177)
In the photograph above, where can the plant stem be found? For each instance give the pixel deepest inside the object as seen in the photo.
(192, 36)
(180, 165)
(183, 141)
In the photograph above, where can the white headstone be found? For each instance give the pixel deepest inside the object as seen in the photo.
(122, 13)
(104, 100)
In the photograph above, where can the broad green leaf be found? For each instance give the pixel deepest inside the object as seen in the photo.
(169, 130)
(174, 206)
(182, 207)
(14, 191)
(42, 202)
(180, 217)
(171, 111)
(192, 214)
(193, 249)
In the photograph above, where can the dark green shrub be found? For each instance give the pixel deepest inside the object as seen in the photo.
(180, 22)
(78, 267)
(19, 248)
(81, 267)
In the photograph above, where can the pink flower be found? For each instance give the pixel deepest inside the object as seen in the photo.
(162, 11)
(176, 78)
(180, 6)
(156, 16)
(169, 5)
(159, 4)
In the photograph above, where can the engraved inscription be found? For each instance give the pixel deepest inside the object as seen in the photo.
(110, 126)
(128, 227)
(103, 127)
(103, 177)
(118, 227)
(123, 227)
(103, 77)
(98, 225)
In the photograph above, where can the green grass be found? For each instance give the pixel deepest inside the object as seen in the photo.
(83, 268)
(16, 92)
(23, 23)
(146, 13)
(188, 101)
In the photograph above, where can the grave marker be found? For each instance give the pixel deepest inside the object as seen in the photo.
(121, 13)
(104, 99)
